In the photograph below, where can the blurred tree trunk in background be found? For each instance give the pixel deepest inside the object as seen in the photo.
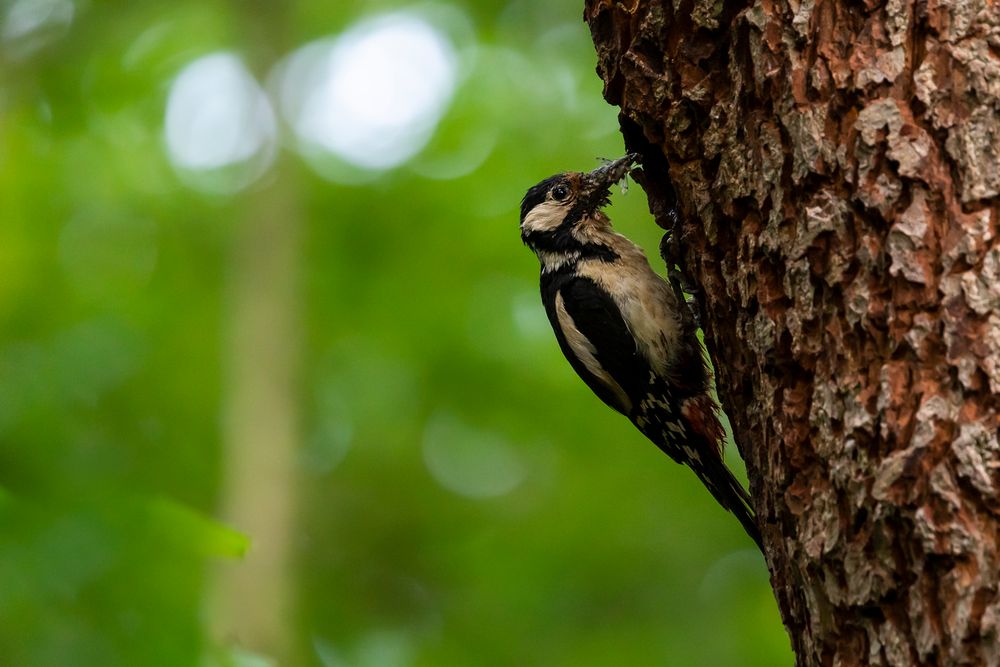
(252, 602)
(253, 606)
(836, 167)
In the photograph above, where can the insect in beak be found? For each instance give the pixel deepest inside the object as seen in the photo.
(597, 183)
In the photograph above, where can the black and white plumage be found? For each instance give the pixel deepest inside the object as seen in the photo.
(625, 330)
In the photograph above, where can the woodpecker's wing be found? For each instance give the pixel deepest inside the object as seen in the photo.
(596, 341)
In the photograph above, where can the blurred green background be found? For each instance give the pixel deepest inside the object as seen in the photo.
(276, 386)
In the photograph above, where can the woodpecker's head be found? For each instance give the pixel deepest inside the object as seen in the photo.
(561, 214)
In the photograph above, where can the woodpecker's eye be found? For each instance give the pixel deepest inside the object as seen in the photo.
(560, 192)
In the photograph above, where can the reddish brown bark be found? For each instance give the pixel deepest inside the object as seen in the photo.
(837, 170)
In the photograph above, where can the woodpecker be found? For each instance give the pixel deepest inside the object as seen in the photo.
(627, 332)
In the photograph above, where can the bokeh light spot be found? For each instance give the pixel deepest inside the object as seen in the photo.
(529, 316)
(470, 150)
(506, 320)
(220, 129)
(377, 648)
(334, 431)
(373, 96)
(469, 461)
(30, 25)
(724, 578)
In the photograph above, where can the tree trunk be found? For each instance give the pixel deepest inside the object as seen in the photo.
(837, 168)
(252, 604)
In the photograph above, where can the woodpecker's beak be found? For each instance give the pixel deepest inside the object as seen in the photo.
(598, 182)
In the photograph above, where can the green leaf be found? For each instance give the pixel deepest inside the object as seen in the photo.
(193, 531)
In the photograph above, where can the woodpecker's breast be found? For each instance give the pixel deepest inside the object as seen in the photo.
(646, 302)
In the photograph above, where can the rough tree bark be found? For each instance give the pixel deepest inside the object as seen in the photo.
(837, 169)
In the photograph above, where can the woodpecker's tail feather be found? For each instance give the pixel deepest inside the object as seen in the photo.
(694, 438)
(728, 492)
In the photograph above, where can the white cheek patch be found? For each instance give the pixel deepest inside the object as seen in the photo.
(545, 217)
(587, 354)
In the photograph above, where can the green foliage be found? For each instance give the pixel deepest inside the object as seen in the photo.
(461, 497)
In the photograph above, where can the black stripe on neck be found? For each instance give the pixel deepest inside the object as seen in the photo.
(562, 240)
(559, 241)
